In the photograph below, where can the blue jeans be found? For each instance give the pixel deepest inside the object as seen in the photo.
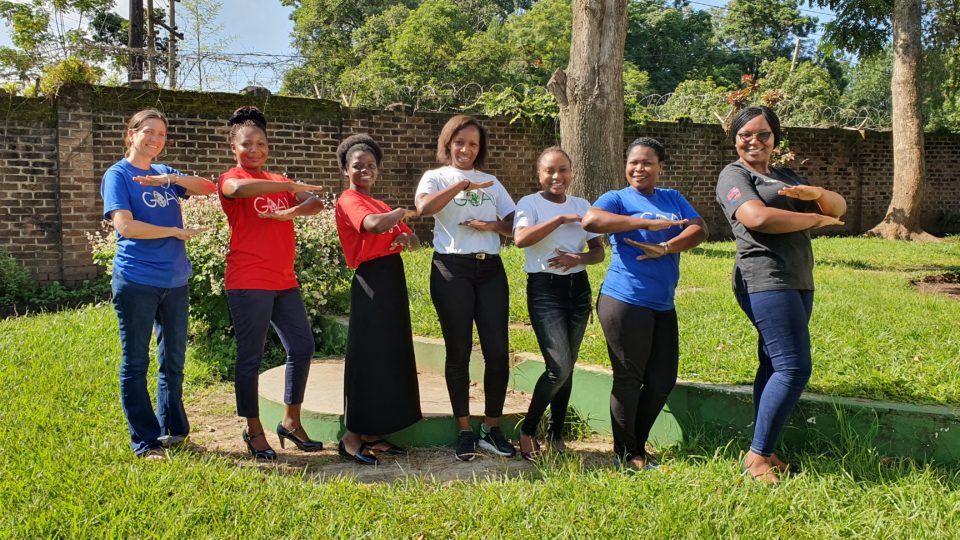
(783, 347)
(559, 308)
(143, 310)
(253, 311)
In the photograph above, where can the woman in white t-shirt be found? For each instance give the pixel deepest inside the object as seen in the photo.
(547, 226)
(471, 211)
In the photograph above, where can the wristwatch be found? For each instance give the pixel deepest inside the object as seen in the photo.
(665, 246)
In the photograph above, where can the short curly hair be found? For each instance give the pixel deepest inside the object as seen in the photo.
(360, 142)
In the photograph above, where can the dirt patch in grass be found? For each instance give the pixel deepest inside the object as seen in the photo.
(946, 284)
(216, 430)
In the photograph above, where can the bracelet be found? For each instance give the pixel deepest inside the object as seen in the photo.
(169, 182)
(665, 246)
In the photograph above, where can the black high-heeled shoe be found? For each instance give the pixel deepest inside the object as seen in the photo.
(308, 445)
(266, 455)
(359, 457)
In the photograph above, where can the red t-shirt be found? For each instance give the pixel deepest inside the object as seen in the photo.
(358, 245)
(261, 250)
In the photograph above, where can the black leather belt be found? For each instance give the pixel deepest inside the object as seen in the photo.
(475, 256)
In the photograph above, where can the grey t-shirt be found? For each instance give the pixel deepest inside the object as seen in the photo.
(765, 261)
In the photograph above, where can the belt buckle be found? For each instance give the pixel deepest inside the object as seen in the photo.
(481, 256)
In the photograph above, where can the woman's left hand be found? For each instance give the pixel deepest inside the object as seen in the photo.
(165, 180)
(406, 241)
(650, 251)
(480, 225)
(565, 260)
(802, 192)
(287, 214)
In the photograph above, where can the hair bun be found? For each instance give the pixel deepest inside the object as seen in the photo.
(248, 114)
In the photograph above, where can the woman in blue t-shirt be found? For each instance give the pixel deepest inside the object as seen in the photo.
(648, 227)
(150, 272)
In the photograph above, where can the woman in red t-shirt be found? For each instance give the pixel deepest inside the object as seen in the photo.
(261, 286)
(381, 394)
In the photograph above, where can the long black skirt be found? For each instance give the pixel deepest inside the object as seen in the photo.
(380, 390)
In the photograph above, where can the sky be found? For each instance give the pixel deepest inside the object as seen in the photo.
(264, 26)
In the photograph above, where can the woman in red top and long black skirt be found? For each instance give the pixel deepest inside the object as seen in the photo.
(262, 289)
(381, 395)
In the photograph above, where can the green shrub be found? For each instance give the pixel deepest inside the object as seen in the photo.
(320, 267)
(15, 281)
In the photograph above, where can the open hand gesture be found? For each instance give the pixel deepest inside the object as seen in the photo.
(660, 224)
(565, 260)
(802, 192)
(827, 221)
(650, 251)
(480, 225)
(187, 234)
(155, 180)
(471, 185)
(406, 242)
(286, 214)
(298, 187)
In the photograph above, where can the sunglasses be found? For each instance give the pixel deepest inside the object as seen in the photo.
(762, 136)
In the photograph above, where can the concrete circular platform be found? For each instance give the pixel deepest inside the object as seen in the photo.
(322, 412)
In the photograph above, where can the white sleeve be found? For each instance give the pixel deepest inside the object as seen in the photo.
(526, 214)
(505, 205)
(429, 183)
(582, 206)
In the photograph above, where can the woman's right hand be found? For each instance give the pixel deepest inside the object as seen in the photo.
(186, 234)
(471, 185)
(299, 187)
(660, 224)
(827, 221)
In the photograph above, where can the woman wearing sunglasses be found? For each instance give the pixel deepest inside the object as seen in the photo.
(771, 211)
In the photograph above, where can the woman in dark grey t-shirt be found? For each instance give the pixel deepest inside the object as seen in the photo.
(771, 211)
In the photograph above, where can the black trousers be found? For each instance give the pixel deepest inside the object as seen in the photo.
(467, 291)
(644, 349)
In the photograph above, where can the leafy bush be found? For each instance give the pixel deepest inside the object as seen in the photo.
(321, 270)
(15, 281)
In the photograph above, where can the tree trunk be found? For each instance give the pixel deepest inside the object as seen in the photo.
(590, 95)
(902, 221)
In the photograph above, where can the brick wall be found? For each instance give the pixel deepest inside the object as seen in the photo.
(53, 153)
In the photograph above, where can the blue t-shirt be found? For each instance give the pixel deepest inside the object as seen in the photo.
(160, 262)
(648, 283)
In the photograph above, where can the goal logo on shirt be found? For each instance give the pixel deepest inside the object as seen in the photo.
(473, 198)
(154, 199)
(265, 205)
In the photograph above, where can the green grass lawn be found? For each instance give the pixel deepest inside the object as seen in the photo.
(66, 470)
(873, 334)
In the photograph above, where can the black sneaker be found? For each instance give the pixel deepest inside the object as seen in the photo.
(494, 442)
(466, 446)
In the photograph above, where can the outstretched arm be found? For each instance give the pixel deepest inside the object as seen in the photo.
(244, 188)
(195, 185)
(429, 204)
(831, 203)
(128, 227)
(527, 236)
(759, 217)
(601, 221)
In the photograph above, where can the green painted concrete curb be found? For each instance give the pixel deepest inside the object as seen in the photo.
(921, 432)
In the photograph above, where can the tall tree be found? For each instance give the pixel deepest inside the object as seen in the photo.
(862, 26)
(590, 95)
(203, 39)
(764, 29)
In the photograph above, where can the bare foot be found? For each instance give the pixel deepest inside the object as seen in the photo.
(558, 446)
(529, 447)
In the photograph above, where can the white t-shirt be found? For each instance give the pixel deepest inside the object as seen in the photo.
(569, 237)
(488, 204)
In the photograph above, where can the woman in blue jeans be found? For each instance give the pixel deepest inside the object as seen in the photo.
(150, 272)
(771, 211)
(547, 226)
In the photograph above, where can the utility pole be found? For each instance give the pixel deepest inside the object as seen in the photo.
(135, 41)
(151, 44)
(796, 55)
